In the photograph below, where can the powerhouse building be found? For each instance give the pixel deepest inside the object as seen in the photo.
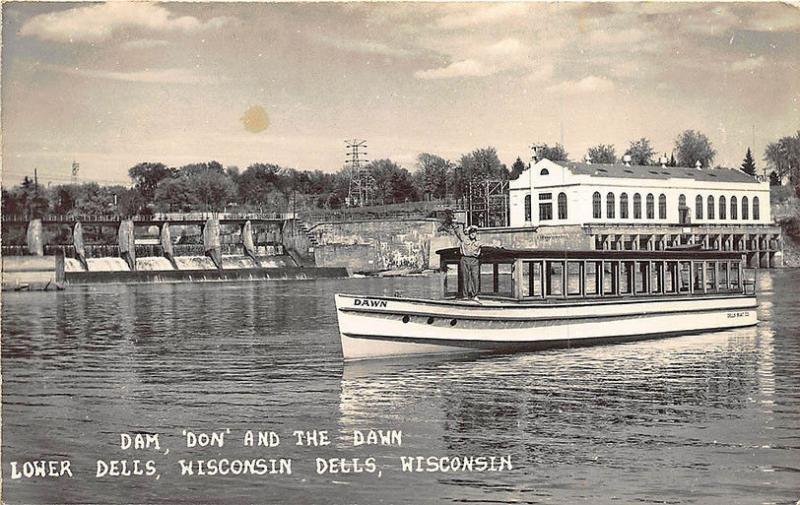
(625, 206)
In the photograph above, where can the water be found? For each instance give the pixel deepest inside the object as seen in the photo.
(711, 418)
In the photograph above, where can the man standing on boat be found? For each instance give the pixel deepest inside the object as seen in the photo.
(470, 263)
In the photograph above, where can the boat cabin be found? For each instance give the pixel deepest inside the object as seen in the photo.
(528, 274)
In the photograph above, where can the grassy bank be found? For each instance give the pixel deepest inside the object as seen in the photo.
(786, 213)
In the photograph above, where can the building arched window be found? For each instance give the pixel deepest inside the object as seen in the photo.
(562, 205)
(651, 207)
(527, 207)
(698, 207)
(610, 206)
(710, 207)
(637, 206)
(745, 210)
(722, 207)
(756, 210)
(623, 206)
(734, 208)
(597, 206)
(544, 171)
(662, 206)
(682, 201)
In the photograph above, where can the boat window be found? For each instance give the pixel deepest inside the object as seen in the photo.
(723, 276)
(496, 278)
(574, 277)
(487, 280)
(532, 278)
(671, 277)
(610, 274)
(656, 276)
(451, 287)
(684, 276)
(626, 278)
(698, 276)
(504, 279)
(735, 281)
(591, 278)
(642, 277)
(555, 278)
(711, 276)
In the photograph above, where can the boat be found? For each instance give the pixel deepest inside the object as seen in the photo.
(535, 299)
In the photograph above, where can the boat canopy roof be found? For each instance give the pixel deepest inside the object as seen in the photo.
(501, 254)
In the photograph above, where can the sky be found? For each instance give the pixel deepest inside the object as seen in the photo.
(110, 85)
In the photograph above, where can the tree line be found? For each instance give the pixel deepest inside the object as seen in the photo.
(268, 187)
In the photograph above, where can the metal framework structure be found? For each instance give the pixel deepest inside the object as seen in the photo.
(362, 184)
(487, 203)
(75, 168)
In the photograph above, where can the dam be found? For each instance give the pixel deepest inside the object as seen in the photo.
(167, 247)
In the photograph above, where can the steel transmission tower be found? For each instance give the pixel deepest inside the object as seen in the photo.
(361, 181)
(75, 167)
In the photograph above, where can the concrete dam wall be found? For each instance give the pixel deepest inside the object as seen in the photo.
(371, 246)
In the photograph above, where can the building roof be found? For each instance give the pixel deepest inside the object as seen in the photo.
(657, 172)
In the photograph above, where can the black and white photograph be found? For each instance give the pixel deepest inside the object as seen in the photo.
(400, 252)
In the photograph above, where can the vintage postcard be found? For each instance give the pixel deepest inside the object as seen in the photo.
(400, 252)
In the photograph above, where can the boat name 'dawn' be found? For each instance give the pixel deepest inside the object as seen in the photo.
(366, 302)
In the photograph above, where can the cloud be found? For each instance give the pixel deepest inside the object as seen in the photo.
(748, 65)
(160, 76)
(589, 84)
(99, 22)
(143, 44)
(542, 72)
(616, 38)
(362, 46)
(463, 68)
(470, 15)
(774, 18)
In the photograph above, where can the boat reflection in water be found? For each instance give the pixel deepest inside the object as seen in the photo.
(532, 299)
(561, 413)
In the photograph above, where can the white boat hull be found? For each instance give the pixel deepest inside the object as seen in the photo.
(377, 327)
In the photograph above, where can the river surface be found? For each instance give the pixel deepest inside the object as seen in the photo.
(706, 419)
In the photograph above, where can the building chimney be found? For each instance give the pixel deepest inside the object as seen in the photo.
(627, 160)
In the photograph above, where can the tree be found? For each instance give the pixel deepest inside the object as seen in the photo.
(257, 182)
(672, 162)
(146, 177)
(517, 168)
(641, 152)
(774, 179)
(432, 175)
(175, 195)
(603, 154)
(201, 168)
(393, 183)
(691, 147)
(783, 157)
(555, 153)
(748, 165)
(213, 189)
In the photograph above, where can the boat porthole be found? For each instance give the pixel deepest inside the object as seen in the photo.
(406, 319)
(453, 322)
(430, 320)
